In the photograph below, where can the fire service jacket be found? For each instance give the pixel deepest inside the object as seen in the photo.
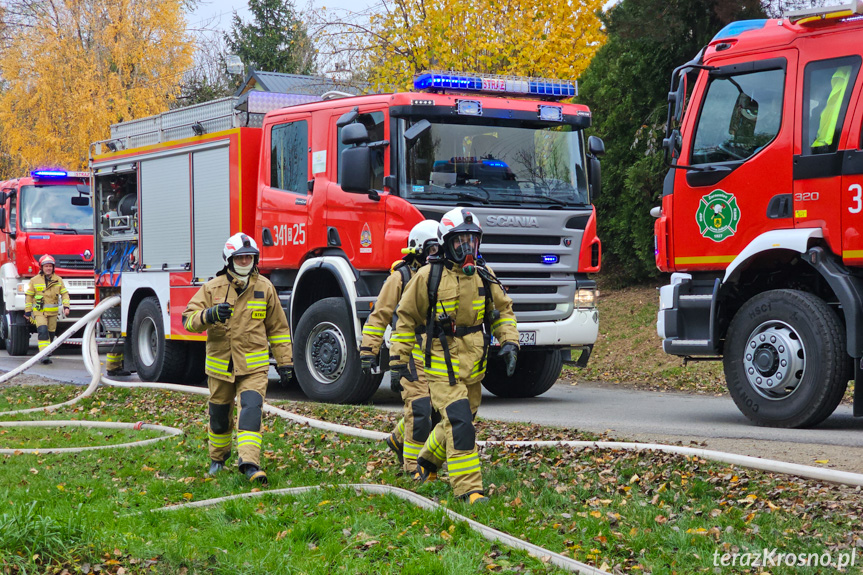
(50, 291)
(240, 345)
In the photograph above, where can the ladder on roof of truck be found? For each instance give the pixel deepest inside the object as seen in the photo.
(223, 114)
(807, 15)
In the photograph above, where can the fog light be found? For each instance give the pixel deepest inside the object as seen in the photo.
(585, 298)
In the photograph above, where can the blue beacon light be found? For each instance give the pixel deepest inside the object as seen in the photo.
(550, 259)
(485, 83)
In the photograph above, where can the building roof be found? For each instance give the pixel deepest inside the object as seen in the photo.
(290, 84)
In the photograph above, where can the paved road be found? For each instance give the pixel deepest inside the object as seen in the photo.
(621, 412)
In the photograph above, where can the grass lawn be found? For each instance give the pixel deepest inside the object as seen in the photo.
(633, 513)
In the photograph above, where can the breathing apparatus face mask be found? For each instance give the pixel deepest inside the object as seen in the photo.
(464, 249)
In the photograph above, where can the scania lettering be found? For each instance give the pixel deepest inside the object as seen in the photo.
(47, 212)
(760, 222)
(330, 190)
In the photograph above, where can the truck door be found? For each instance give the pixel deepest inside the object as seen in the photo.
(742, 135)
(851, 189)
(826, 87)
(361, 221)
(285, 193)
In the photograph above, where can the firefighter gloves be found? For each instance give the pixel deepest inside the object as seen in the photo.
(368, 363)
(27, 315)
(509, 353)
(219, 313)
(286, 372)
(396, 381)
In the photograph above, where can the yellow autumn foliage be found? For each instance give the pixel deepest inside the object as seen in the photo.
(72, 68)
(548, 38)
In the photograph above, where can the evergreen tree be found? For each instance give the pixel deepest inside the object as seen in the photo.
(626, 87)
(275, 40)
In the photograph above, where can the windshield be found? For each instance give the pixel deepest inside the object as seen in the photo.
(498, 164)
(50, 208)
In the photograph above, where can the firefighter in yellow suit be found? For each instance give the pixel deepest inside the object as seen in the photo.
(41, 302)
(241, 313)
(458, 303)
(413, 429)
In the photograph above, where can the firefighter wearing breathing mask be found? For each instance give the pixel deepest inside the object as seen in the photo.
(457, 304)
(413, 429)
(244, 320)
(41, 302)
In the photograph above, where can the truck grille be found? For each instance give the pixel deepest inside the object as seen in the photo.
(70, 262)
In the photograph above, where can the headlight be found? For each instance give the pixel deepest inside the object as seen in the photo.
(585, 297)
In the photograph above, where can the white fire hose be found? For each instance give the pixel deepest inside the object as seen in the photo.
(90, 355)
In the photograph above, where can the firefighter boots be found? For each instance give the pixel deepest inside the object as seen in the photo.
(396, 447)
(475, 497)
(254, 473)
(215, 467)
(47, 361)
(425, 471)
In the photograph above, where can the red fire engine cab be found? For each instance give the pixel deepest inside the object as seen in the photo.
(47, 212)
(331, 209)
(761, 220)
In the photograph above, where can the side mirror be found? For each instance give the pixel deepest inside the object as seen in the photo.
(3, 197)
(354, 134)
(596, 146)
(2, 218)
(83, 189)
(415, 131)
(356, 166)
(594, 175)
(81, 201)
(671, 145)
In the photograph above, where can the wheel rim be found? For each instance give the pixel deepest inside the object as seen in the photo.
(326, 353)
(148, 341)
(774, 360)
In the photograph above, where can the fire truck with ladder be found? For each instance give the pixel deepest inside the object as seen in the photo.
(761, 219)
(329, 190)
(47, 212)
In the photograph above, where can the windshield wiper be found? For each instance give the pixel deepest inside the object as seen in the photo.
(452, 195)
(53, 230)
(541, 199)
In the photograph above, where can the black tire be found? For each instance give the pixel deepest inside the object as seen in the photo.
(326, 358)
(795, 331)
(535, 373)
(156, 358)
(4, 325)
(17, 334)
(196, 352)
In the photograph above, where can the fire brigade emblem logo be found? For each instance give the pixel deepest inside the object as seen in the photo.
(718, 215)
(366, 237)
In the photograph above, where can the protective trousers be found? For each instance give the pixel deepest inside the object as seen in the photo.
(251, 389)
(46, 328)
(453, 440)
(417, 417)
(115, 361)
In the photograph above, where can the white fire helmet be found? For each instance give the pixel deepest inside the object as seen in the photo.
(460, 233)
(422, 237)
(238, 245)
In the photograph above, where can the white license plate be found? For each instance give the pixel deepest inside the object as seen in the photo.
(527, 338)
(524, 338)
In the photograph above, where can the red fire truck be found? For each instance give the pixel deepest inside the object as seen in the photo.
(331, 213)
(762, 213)
(46, 213)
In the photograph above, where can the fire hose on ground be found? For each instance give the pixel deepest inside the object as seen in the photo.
(90, 356)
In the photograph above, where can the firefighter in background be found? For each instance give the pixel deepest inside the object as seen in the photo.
(241, 313)
(412, 430)
(42, 302)
(457, 302)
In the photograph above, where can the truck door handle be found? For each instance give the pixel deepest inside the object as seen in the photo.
(779, 207)
(311, 185)
(267, 237)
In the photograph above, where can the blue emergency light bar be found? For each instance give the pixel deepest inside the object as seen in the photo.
(489, 84)
(57, 174)
(550, 259)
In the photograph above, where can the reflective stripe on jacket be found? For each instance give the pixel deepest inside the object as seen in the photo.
(50, 291)
(241, 345)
